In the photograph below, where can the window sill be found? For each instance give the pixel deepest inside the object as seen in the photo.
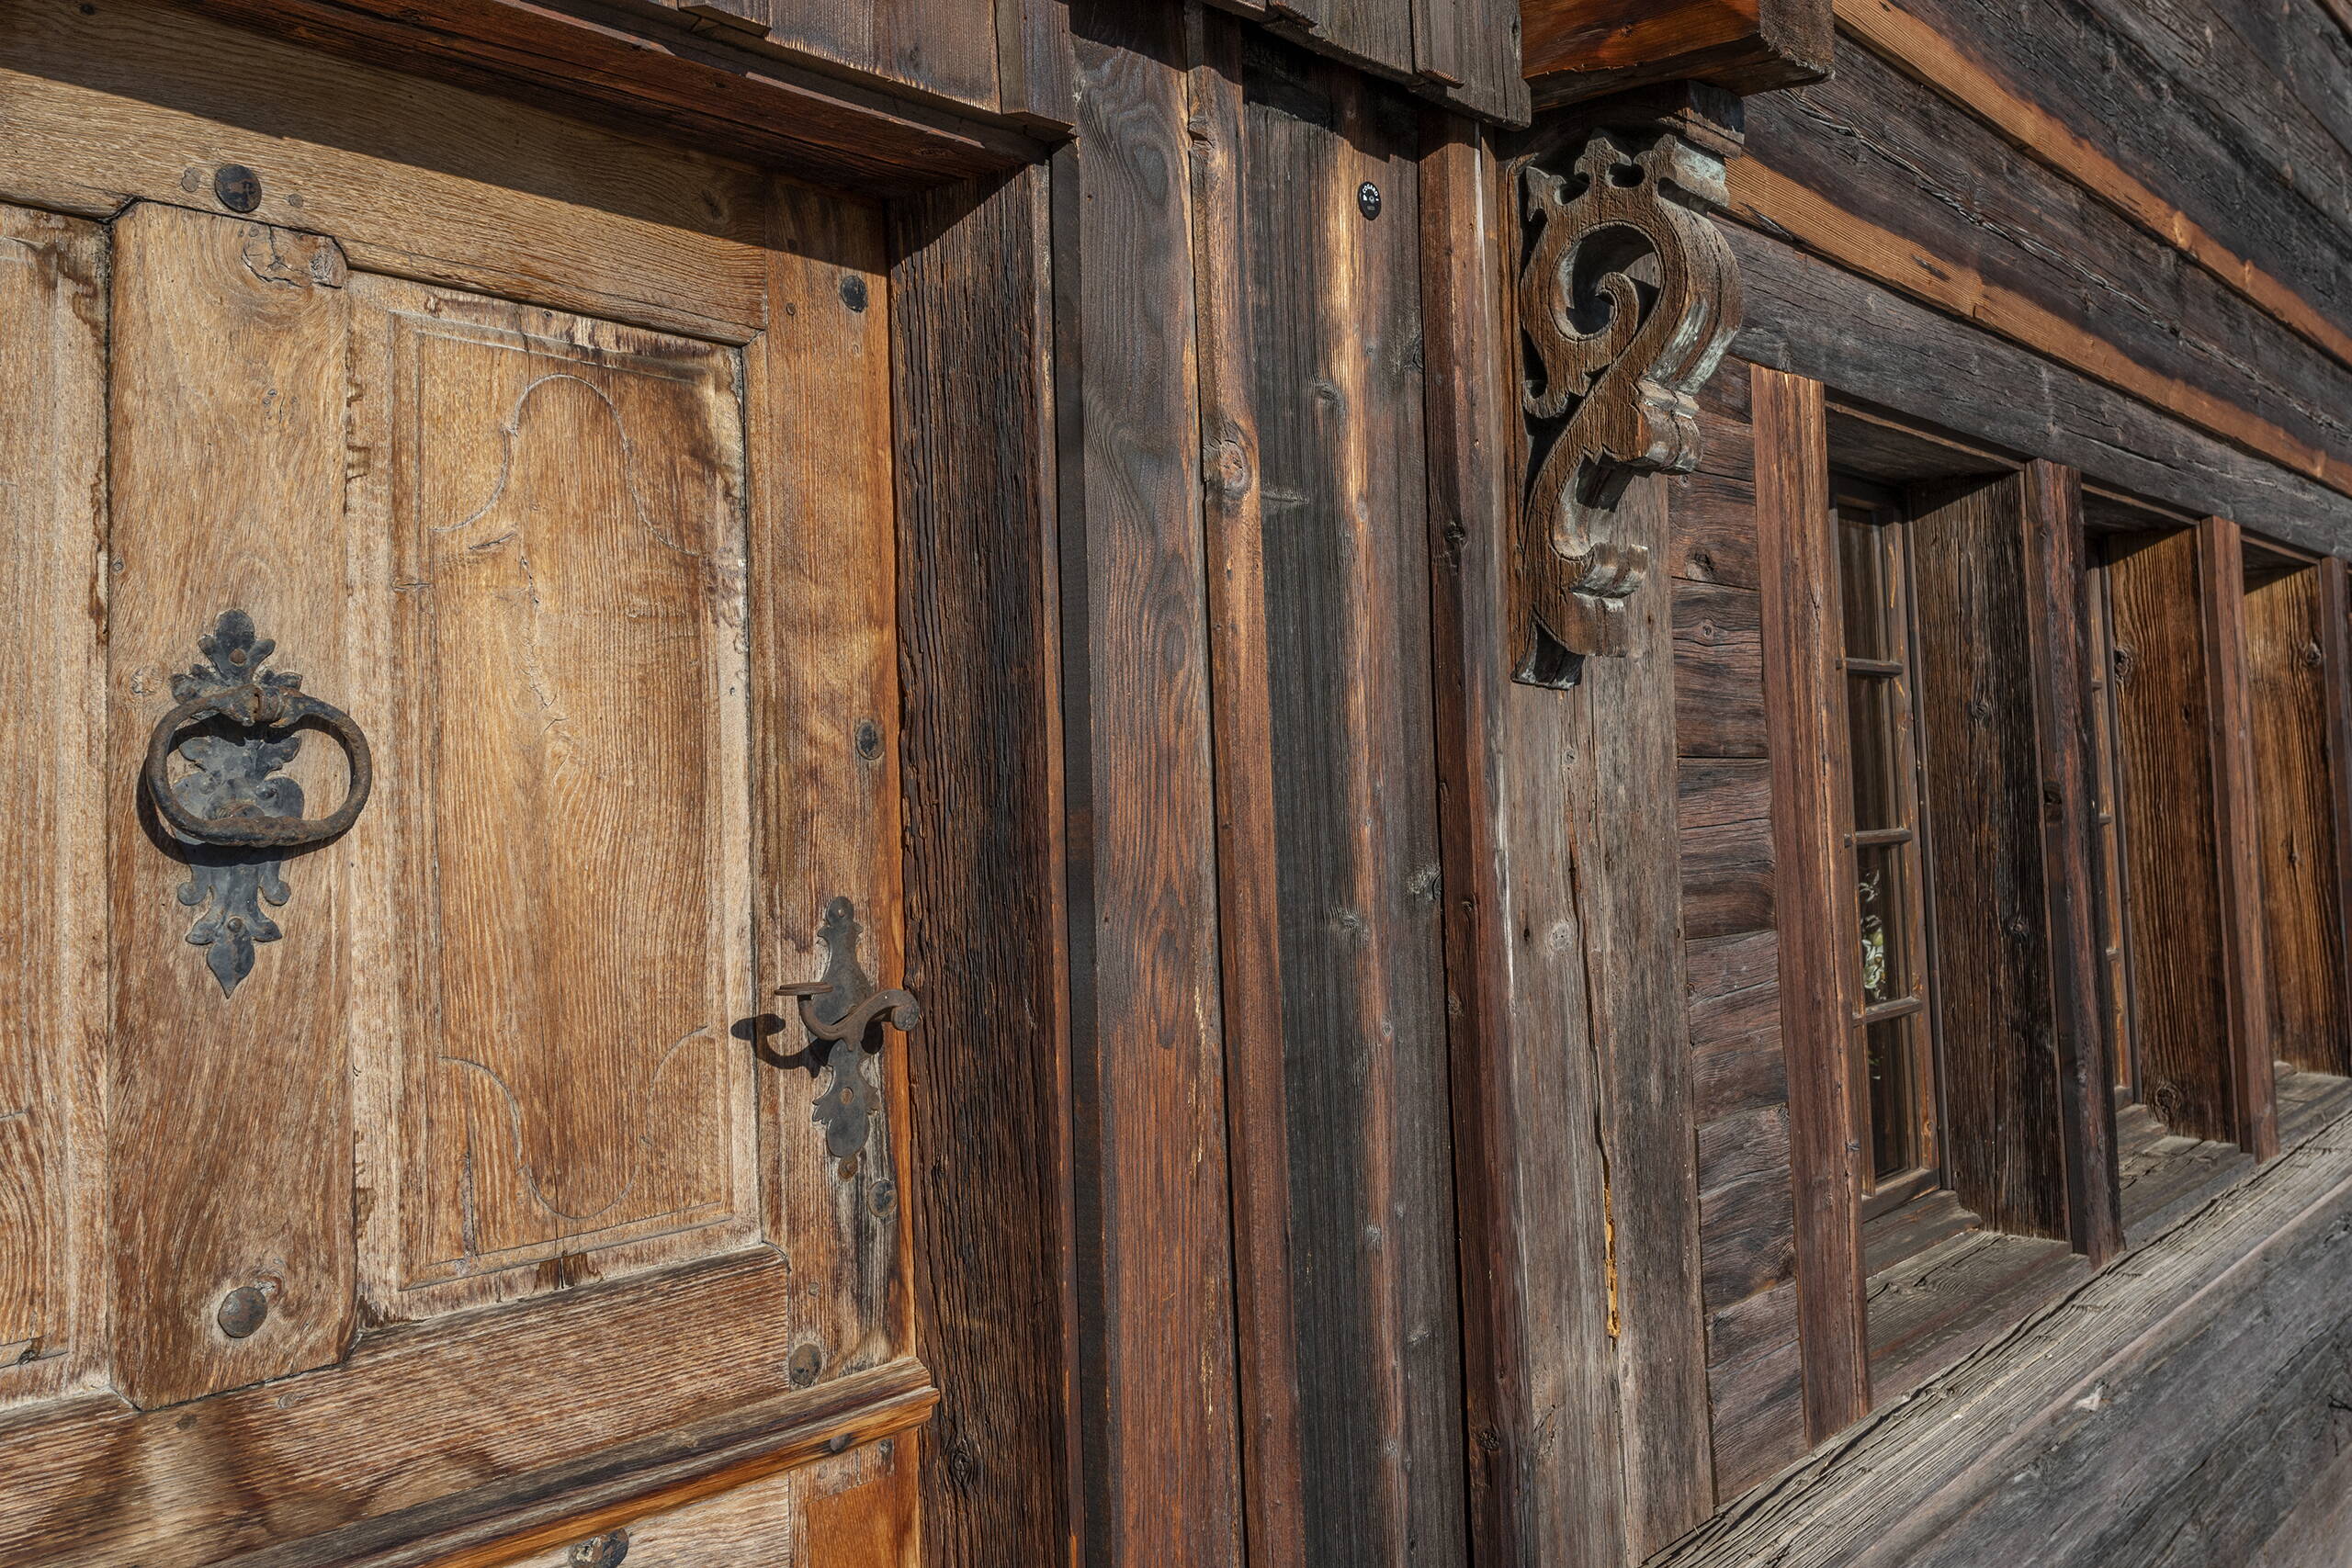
(2218, 1345)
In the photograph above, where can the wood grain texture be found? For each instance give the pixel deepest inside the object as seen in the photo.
(52, 764)
(1809, 318)
(529, 1115)
(988, 1203)
(1573, 49)
(946, 48)
(634, 70)
(2335, 657)
(1157, 1385)
(228, 342)
(826, 797)
(1542, 1404)
(2057, 644)
(1804, 689)
(1332, 329)
(2132, 1388)
(1756, 1383)
(2220, 573)
(2288, 678)
(1982, 803)
(1719, 670)
(1725, 813)
(1250, 924)
(120, 106)
(2163, 703)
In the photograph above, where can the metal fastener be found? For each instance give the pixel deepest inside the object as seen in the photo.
(238, 188)
(604, 1550)
(804, 1365)
(869, 739)
(242, 1311)
(854, 291)
(1368, 199)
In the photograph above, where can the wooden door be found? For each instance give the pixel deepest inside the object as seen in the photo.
(455, 1186)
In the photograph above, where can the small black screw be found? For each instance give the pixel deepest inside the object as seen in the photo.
(869, 739)
(1368, 199)
(854, 291)
(238, 188)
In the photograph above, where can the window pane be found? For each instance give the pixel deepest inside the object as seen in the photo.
(1861, 560)
(1894, 1096)
(1870, 722)
(1881, 873)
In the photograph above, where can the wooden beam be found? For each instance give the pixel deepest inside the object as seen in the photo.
(2220, 569)
(2064, 731)
(1572, 50)
(1773, 203)
(2335, 677)
(1805, 706)
(1918, 50)
(1544, 1423)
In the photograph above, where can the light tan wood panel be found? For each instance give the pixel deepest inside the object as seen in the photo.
(548, 521)
(826, 754)
(136, 101)
(229, 1114)
(52, 1001)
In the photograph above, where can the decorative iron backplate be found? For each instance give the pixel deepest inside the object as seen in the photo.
(235, 816)
(841, 1013)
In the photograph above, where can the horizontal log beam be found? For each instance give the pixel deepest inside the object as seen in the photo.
(1572, 50)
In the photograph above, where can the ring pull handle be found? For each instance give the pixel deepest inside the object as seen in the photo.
(235, 799)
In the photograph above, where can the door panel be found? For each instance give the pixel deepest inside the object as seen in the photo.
(558, 543)
(229, 1116)
(467, 1178)
(52, 402)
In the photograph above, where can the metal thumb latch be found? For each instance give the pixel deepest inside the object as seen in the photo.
(234, 815)
(841, 1013)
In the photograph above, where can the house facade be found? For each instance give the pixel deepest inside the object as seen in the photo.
(1436, 784)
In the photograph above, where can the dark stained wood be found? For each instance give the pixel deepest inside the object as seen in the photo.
(1540, 1395)
(2054, 591)
(1804, 689)
(2162, 704)
(1933, 1308)
(702, 85)
(1719, 670)
(1755, 1384)
(1462, 54)
(1036, 77)
(2336, 658)
(1809, 317)
(1737, 1061)
(1983, 803)
(1156, 1386)
(2221, 571)
(979, 765)
(946, 48)
(1726, 838)
(2295, 749)
(1746, 1227)
(1715, 517)
(1325, 360)
(1250, 913)
(1574, 49)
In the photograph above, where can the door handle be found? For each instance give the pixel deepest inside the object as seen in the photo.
(231, 803)
(839, 1010)
(268, 701)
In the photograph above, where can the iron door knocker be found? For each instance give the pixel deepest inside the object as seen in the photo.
(233, 802)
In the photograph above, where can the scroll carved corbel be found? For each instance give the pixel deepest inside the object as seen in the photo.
(1627, 300)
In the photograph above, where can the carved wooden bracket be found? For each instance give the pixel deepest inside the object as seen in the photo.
(1627, 301)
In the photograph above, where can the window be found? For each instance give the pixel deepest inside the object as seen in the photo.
(1893, 1046)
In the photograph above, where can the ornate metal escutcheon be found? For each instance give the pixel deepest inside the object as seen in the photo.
(236, 816)
(841, 1012)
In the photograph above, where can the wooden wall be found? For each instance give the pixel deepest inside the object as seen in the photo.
(1731, 947)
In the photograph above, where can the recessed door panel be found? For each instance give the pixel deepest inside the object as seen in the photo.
(558, 503)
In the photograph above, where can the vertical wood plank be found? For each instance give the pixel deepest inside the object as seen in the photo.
(1332, 329)
(2221, 563)
(2287, 681)
(2335, 680)
(2055, 583)
(1804, 698)
(823, 544)
(1546, 1465)
(2169, 797)
(1982, 617)
(53, 768)
(990, 1203)
(1157, 1385)
(1250, 926)
(230, 1116)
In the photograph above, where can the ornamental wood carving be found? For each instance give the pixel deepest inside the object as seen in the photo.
(1627, 301)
